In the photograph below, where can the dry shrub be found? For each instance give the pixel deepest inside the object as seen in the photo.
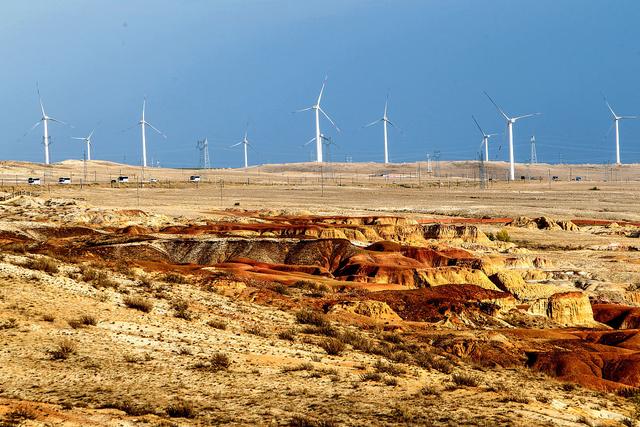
(217, 324)
(371, 376)
(47, 265)
(181, 409)
(356, 340)
(181, 309)
(309, 317)
(287, 335)
(131, 408)
(302, 421)
(257, 331)
(333, 346)
(301, 367)
(84, 320)
(48, 317)
(64, 349)
(174, 278)
(281, 289)
(138, 303)
(327, 331)
(389, 368)
(19, 414)
(99, 279)
(466, 380)
(430, 390)
(217, 362)
(9, 324)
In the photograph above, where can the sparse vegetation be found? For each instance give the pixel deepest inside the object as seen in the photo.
(176, 278)
(63, 350)
(48, 265)
(18, 415)
(131, 408)
(287, 335)
(48, 317)
(302, 421)
(83, 320)
(217, 362)
(333, 346)
(389, 368)
(257, 331)
(217, 324)
(301, 367)
(467, 380)
(310, 317)
(181, 309)
(9, 324)
(181, 409)
(138, 303)
(503, 235)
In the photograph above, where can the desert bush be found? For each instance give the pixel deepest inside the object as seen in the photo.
(594, 189)
(333, 346)
(48, 317)
(356, 340)
(174, 278)
(257, 331)
(63, 350)
(138, 303)
(302, 421)
(391, 337)
(217, 324)
(390, 381)
(503, 235)
(18, 415)
(130, 408)
(515, 396)
(327, 331)
(181, 409)
(310, 317)
(400, 357)
(47, 265)
(99, 279)
(181, 309)
(301, 367)
(389, 368)
(430, 390)
(628, 392)
(9, 324)
(442, 365)
(287, 335)
(88, 320)
(466, 380)
(281, 289)
(371, 376)
(217, 362)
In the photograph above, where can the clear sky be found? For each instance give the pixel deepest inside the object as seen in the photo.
(209, 67)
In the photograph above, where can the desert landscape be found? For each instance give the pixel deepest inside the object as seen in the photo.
(289, 295)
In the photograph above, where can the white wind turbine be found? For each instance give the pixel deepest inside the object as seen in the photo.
(510, 122)
(384, 120)
(616, 121)
(245, 143)
(485, 139)
(143, 123)
(87, 140)
(45, 124)
(317, 109)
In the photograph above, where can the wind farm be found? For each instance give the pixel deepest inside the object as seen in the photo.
(323, 214)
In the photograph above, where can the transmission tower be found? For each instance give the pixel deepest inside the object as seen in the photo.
(203, 147)
(533, 159)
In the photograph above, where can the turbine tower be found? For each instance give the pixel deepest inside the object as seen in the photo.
(245, 143)
(510, 122)
(46, 141)
(317, 109)
(203, 146)
(143, 123)
(485, 139)
(616, 121)
(534, 157)
(384, 120)
(87, 140)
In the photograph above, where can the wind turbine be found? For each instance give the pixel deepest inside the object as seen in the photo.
(317, 109)
(384, 120)
(86, 139)
(485, 139)
(45, 124)
(143, 123)
(245, 143)
(510, 122)
(616, 121)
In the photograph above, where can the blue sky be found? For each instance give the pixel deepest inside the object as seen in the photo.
(209, 67)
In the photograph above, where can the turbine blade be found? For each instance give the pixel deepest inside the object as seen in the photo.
(526, 115)
(235, 145)
(59, 121)
(40, 99)
(373, 123)
(152, 127)
(31, 128)
(329, 118)
(628, 117)
(91, 134)
(76, 137)
(478, 125)
(496, 105)
(322, 89)
(613, 113)
(310, 141)
(304, 109)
